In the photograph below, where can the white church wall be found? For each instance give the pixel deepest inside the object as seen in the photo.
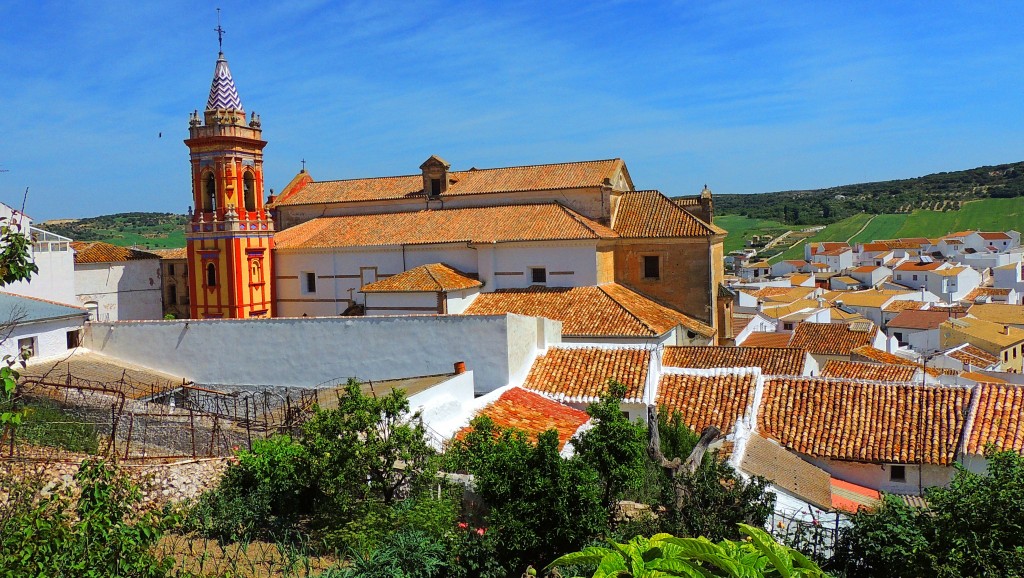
(128, 290)
(405, 303)
(497, 348)
(567, 264)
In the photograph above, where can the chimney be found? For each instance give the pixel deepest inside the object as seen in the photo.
(460, 367)
(1006, 329)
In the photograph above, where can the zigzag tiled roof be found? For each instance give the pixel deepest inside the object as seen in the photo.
(223, 94)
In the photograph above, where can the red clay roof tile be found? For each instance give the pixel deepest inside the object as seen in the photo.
(582, 374)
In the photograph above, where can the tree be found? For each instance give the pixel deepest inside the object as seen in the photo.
(92, 532)
(613, 447)
(540, 503)
(973, 527)
(15, 265)
(369, 448)
(706, 496)
(665, 555)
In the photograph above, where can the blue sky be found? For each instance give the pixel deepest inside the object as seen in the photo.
(744, 96)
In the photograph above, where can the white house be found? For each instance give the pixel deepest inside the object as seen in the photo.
(1010, 277)
(432, 288)
(117, 283)
(789, 266)
(52, 254)
(952, 284)
(917, 329)
(41, 328)
(870, 275)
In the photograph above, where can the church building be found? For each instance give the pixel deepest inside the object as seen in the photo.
(431, 241)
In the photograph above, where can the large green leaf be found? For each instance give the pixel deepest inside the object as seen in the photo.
(591, 555)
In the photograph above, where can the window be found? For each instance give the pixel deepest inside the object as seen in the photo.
(652, 267)
(435, 187)
(170, 269)
(538, 275)
(915, 277)
(249, 191)
(74, 338)
(308, 282)
(27, 347)
(209, 196)
(1006, 356)
(256, 271)
(172, 294)
(787, 326)
(899, 277)
(211, 275)
(94, 310)
(897, 473)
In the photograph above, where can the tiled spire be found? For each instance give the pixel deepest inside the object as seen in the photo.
(223, 94)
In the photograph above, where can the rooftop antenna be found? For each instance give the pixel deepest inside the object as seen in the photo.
(220, 33)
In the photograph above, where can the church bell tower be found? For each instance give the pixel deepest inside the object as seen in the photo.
(230, 236)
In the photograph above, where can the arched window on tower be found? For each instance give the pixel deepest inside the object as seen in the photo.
(211, 275)
(249, 188)
(209, 197)
(257, 271)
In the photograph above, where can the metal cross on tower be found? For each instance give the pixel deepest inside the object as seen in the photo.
(220, 33)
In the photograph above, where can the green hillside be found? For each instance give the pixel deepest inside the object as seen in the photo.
(146, 230)
(986, 214)
(940, 192)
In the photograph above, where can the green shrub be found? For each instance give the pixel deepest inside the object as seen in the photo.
(46, 423)
(94, 534)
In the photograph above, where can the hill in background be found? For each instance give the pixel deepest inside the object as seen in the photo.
(937, 192)
(144, 230)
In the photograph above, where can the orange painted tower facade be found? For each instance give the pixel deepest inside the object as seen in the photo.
(230, 235)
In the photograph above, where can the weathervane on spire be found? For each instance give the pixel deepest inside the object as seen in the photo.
(220, 33)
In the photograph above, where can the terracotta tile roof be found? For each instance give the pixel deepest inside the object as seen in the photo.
(532, 414)
(434, 278)
(996, 334)
(998, 313)
(771, 360)
(786, 470)
(766, 339)
(715, 397)
(799, 278)
(497, 224)
(924, 319)
(581, 374)
(997, 418)
(819, 248)
(865, 269)
(594, 311)
(872, 353)
(868, 371)
(919, 265)
(304, 190)
(903, 305)
(766, 292)
(850, 497)
(868, 298)
(740, 322)
(980, 377)
(831, 338)
(986, 292)
(846, 279)
(643, 214)
(969, 354)
(100, 252)
(796, 262)
(170, 254)
(873, 247)
(864, 422)
(995, 236)
(950, 272)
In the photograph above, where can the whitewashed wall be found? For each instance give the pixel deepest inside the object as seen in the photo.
(458, 301)
(340, 274)
(307, 351)
(55, 280)
(405, 303)
(876, 476)
(128, 290)
(51, 337)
